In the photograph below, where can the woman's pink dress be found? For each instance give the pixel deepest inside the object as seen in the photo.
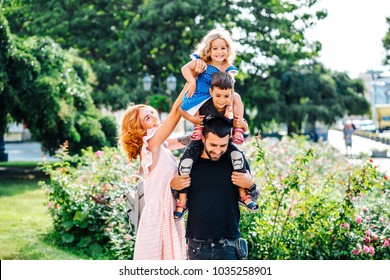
(159, 237)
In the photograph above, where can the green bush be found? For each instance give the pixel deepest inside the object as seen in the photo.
(85, 200)
(315, 205)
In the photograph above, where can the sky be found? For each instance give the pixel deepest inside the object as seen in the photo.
(352, 34)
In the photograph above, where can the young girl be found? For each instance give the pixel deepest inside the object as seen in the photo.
(158, 236)
(215, 49)
(221, 95)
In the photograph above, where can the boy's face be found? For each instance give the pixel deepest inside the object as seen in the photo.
(221, 97)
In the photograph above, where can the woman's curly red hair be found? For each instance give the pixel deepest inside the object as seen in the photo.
(131, 132)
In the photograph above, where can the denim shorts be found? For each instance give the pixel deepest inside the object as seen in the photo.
(211, 250)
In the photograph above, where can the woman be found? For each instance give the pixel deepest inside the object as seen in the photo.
(159, 237)
(142, 133)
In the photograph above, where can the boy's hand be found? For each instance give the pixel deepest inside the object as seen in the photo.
(229, 112)
(197, 120)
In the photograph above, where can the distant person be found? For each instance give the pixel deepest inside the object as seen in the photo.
(348, 131)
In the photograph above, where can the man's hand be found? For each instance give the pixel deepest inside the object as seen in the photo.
(243, 180)
(180, 182)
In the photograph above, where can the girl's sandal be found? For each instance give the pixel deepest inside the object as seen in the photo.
(238, 137)
(178, 215)
(251, 206)
(197, 133)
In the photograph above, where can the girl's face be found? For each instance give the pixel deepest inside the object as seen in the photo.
(148, 119)
(218, 50)
(221, 97)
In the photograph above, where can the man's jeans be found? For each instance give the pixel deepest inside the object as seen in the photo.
(201, 250)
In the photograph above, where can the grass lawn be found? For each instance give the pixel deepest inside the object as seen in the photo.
(24, 224)
(27, 164)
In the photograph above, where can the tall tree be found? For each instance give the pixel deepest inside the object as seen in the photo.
(386, 44)
(298, 94)
(49, 89)
(124, 39)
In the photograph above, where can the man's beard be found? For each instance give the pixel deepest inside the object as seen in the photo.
(213, 158)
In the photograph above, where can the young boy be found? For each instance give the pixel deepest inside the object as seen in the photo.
(221, 94)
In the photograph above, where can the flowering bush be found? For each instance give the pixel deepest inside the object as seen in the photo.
(85, 200)
(315, 205)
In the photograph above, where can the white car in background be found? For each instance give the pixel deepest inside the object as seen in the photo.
(365, 125)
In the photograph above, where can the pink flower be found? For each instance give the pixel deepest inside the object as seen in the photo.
(355, 252)
(368, 218)
(108, 229)
(373, 235)
(381, 219)
(372, 250)
(367, 239)
(366, 249)
(111, 224)
(365, 209)
(368, 233)
(127, 237)
(99, 153)
(361, 194)
(358, 219)
(346, 225)
(354, 198)
(386, 243)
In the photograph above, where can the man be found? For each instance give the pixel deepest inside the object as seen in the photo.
(213, 218)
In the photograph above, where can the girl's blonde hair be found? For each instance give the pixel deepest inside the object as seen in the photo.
(131, 133)
(203, 48)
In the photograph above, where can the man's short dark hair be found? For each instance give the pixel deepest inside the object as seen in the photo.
(218, 126)
(221, 80)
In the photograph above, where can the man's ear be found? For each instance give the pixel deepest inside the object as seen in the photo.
(203, 139)
(210, 91)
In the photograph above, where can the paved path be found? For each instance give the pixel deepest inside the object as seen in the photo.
(31, 151)
(360, 145)
(25, 151)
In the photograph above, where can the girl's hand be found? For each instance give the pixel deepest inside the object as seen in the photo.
(200, 66)
(239, 122)
(191, 89)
